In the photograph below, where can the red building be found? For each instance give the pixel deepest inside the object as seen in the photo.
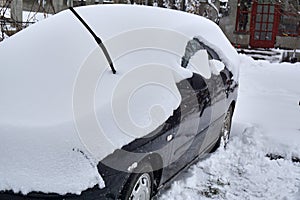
(263, 23)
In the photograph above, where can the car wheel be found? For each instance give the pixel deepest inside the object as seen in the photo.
(140, 184)
(225, 131)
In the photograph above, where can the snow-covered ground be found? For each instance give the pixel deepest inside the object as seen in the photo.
(272, 55)
(27, 16)
(266, 121)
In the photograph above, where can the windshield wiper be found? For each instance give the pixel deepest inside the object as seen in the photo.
(98, 40)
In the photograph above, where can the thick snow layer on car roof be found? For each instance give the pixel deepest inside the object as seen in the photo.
(128, 18)
(55, 82)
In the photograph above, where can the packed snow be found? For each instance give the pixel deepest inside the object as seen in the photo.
(262, 159)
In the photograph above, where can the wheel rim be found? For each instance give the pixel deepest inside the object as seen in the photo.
(142, 188)
(226, 127)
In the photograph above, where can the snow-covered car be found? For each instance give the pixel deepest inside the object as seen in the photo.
(111, 102)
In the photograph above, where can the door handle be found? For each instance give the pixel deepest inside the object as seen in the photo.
(170, 137)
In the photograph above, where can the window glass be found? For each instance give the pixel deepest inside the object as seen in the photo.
(265, 17)
(243, 16)
(265, 8)
(263, 26)
(256, 35)
(269, 36)
(262, 35)
(191, 48)
(210, 57)
(272, 9)
(259, 9)
(258, 17)
(257, 26)
(289, 24)
(270, 27)
(271, 18)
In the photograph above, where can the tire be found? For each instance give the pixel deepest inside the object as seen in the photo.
(225, 131)
(140, 184)
(226, 128)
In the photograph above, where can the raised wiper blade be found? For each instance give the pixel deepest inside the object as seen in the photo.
(98, 40)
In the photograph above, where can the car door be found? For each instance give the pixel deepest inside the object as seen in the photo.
(192, 119)
(194, 112)
(218, 99)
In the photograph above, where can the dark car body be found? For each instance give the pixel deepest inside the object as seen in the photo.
(193, 130)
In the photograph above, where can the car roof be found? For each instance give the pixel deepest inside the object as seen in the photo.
(109, 21)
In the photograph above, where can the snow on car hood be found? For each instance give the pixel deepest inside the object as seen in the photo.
(61, 105)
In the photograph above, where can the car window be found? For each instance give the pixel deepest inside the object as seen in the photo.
(192, 47)
(212, 54)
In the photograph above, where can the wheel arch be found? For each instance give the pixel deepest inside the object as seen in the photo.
(156, 162)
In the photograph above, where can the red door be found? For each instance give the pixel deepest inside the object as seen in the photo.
(264, 24)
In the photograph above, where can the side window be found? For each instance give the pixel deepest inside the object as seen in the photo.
(212, 54)
(225, 73)
(210, 57)
(192, 47)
